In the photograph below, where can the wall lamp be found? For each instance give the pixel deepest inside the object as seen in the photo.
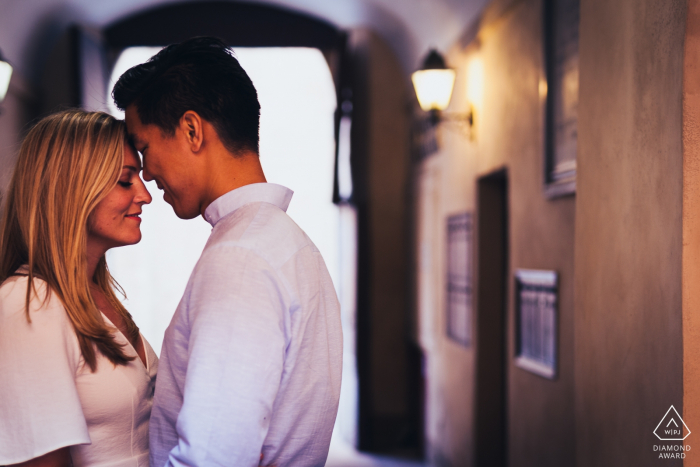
(434, 83)
(5, 75)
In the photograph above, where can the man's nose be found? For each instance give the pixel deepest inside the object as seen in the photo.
(146, 174)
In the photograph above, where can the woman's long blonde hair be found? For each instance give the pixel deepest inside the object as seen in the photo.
(67, 164)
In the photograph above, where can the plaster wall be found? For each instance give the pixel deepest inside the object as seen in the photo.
(507, 133)
(691, 225)
(449, 367)
(628, 328)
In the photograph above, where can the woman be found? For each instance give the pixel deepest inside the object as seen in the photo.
(77, 378)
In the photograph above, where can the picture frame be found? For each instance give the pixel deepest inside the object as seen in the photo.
(559, 90)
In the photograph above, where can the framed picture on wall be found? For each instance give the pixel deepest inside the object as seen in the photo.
(536, 298)
(560, 92)
(459, 278)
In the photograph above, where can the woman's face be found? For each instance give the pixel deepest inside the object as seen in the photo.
(115, 221)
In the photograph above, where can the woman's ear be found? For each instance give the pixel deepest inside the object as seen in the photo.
(191, 126)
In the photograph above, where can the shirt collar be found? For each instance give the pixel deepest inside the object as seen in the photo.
(256, 192)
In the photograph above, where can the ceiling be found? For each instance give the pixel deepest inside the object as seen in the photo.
(411, 27)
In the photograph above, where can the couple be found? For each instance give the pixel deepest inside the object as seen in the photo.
(250, 368)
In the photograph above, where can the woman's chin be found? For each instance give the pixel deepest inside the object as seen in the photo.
(132, 240)
(136, 239)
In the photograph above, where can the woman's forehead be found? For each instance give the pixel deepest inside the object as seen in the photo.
(130, 158)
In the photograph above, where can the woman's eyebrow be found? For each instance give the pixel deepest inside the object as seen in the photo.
(131, 167)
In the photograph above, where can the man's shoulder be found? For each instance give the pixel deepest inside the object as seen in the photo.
(263, 229)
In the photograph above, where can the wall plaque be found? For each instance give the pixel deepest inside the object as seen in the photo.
(536, 321)
(459, 278)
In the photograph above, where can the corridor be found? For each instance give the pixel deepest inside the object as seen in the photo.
(504, 192)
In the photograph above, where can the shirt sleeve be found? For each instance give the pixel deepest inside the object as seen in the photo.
(235, 359)
(40, 410)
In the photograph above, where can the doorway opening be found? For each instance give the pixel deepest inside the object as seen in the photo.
(491, 322)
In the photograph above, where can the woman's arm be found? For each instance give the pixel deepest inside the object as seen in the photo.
(58, 458)
(32, 353)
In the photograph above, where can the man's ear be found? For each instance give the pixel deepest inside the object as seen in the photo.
(191, 126)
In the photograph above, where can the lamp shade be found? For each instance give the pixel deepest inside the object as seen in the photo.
(5, 75)
(434, 83)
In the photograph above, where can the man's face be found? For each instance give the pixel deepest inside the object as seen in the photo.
(168, 161)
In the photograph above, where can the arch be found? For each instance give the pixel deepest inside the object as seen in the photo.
(239, 24)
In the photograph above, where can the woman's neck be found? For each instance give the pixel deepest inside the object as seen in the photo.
(94, 254)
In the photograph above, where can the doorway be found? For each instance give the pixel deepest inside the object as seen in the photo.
(297, 99)
(491, 322)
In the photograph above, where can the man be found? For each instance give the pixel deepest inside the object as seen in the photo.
(251, 361)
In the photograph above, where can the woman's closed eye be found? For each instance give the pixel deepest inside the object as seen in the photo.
(125, 184)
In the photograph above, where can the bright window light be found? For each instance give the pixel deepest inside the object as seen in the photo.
(344, 167)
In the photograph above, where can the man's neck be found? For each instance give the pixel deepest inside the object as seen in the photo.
(231, 172)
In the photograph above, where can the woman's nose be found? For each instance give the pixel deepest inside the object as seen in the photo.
(143, 196)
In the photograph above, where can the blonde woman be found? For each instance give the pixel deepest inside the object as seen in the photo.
(76, 377)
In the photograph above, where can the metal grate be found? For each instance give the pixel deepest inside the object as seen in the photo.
(459, 278)
(536, 309)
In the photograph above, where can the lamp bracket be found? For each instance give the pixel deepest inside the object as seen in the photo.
(465, 120)
(466, 117)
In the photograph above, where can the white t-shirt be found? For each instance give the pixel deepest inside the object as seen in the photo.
(49, 397)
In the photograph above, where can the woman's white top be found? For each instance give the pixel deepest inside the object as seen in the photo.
(49, 397)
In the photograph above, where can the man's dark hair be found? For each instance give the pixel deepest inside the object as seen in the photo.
(199, 74)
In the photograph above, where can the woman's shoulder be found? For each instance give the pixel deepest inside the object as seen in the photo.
(42, 339)
(42, 303)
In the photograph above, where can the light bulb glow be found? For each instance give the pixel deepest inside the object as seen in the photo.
(5, 75)
(475, 82)
(434, 88)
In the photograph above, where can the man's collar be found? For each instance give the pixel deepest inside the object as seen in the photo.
(253, 193)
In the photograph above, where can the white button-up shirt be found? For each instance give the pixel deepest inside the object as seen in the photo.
(251, 361)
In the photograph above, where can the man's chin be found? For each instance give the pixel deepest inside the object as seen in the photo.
(178, 210)
(184, 214)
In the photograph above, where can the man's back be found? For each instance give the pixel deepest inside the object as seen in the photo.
(255, 345)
